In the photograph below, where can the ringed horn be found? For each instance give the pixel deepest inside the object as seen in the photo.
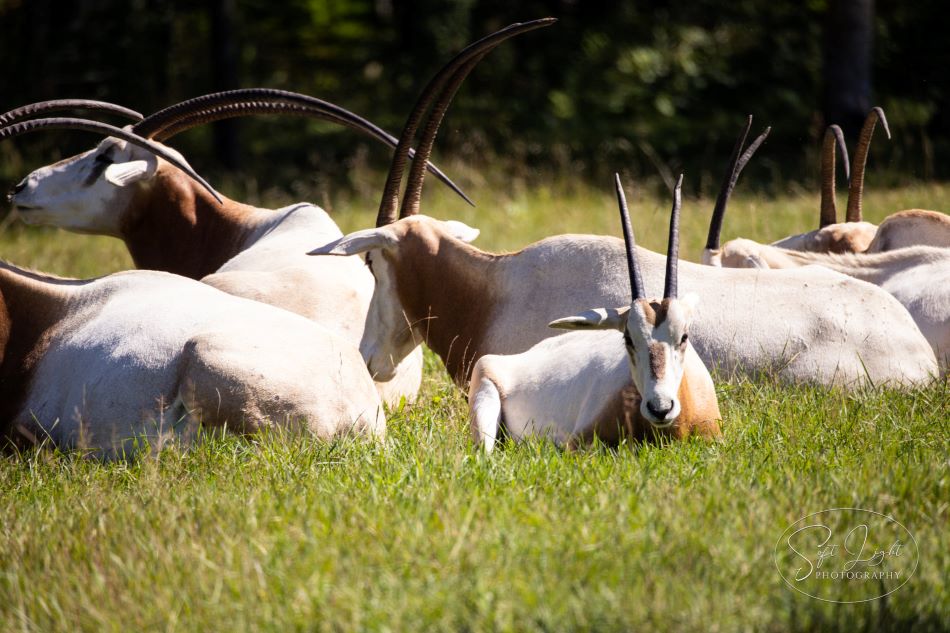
(104, 129)
(856, 188)
(442, 87)
(183, 116)
(56, 105)
(670, 286)
(834, 137)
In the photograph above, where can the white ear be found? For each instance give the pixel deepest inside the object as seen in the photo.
(461, 231)
(597, 319)
(124, 174)
(358, 242)
(685, 307)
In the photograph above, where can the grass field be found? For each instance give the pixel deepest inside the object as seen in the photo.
(280, 533)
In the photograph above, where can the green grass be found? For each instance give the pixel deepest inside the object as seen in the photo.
(280, 533)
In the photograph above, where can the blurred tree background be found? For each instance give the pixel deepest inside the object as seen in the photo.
(645, 86)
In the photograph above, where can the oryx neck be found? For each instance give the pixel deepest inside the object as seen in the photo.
(176, 226)
(447, 289)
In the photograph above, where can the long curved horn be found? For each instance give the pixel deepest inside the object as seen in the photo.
(856, 188)
(412, 198)
(301, 105)
(737, 163)
(57, 105)
(104, 129)
(833, 137)
(389, 204)
(673, 245)
(633, 262)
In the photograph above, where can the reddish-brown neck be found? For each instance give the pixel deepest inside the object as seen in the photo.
(176, 226)
(446, 289)
(29, 311)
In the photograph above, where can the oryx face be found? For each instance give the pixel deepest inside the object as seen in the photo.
(656, 337)
(88, 192)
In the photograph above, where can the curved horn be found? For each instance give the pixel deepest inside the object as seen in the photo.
(856, 188)
(55, 105)
(833, 137)
(737, 163)
(673, 246)
(633, 262)
(294, 104)
(389, 204)
(105, 130)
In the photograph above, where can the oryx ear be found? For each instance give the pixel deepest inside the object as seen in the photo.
(461, 231)
(358, 242)
(597, 319)
(124, 174)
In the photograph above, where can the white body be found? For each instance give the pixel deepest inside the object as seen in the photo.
(139, 198)
(918, 277)
(810, 325)
(273, 268)
(842, 237)
(143, 354)
(564, 387)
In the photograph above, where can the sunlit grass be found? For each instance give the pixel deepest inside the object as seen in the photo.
(282, 533)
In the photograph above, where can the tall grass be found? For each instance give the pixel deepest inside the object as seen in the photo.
(423, 533)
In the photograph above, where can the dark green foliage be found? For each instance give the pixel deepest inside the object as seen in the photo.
(612, 86)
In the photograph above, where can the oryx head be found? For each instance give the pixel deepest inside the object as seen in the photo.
(82, 193)
(655, 331)
(90, 192)
(401, 234)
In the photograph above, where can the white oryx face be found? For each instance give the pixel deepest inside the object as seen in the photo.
(86, 193)
(655, 335)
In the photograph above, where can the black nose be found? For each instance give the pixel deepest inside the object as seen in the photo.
(659, 412)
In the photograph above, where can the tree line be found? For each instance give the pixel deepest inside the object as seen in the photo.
(642, 85)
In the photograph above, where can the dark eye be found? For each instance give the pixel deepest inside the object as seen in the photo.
(683, 340)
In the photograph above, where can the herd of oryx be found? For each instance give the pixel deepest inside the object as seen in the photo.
(250, 317)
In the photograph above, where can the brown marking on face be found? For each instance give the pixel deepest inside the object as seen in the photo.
(174, 225)
(657, 360)
(29, 312)
(445, 287)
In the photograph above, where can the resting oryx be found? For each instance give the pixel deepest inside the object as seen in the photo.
(912, 227)
(99, 364)
(854, 234)
(801, 326)
(575, 386)
(917, 276)
(170, 223)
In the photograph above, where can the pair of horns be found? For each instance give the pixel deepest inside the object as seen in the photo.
(438, 94)
(214, 107)
(737, 163)
(104, 129)
(833, 136)
(217, 106)
(672, 249)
